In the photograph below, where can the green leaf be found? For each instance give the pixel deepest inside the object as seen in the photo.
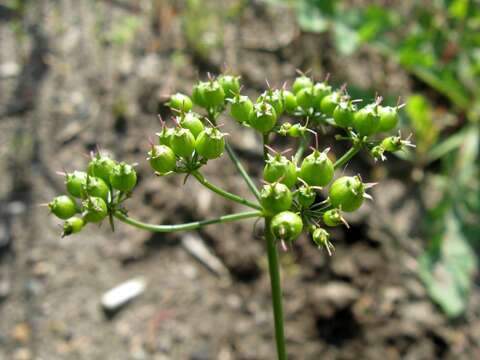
(447, 268)
(346, 39)
(459, 9)
(314, 15)
(420, 115)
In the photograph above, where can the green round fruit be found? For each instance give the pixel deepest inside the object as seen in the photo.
(73, 225)
(180, 102)
(329, 103)
(192, 122)
(321, 90)
(213, 94)
(162, 159)
(230, 85)
(392, 143)
(198, 94)
(165, 136)
(75, 183)
(210, 144)
(95, 186)
(241, 108)
(289, 101)
(63, 207)
(123, 177)
(347, 193)
(274, 98)
(183, 142)
(366, 120)
(388, 118)
(263, 117)
(95, 209)
(279, 168)
(306, 196)
(301, 82)
(101, 166)
(316, 169)
(320, 236)
(343, 114)
(332, 218)
(275, 198)
(286, 226)
(297, 130)
(306, 99)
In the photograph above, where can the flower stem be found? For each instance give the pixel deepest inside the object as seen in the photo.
(201, 179)
(186, 226)
(275, 283)
(241, 170)
(304, 141)
(347, 156)
(276, 291)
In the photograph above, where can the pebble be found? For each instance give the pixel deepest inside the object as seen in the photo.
(22, 354)
(5, 289)
(120, 295)
(21, 333)
(333, 297)
(197, 248)
(422, 313)
(9, 69)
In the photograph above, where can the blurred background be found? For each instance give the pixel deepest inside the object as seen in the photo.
(403, 283)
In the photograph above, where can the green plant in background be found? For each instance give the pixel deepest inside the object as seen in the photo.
(290, 201)
(439, 44)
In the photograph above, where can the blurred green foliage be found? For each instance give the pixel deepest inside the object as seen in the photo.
(437, 42)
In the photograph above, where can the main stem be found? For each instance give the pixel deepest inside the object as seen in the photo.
(275, 283)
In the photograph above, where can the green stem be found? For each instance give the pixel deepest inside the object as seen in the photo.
(276, 291)
(242, 171)
(186, 226)
(347, 156)
(224, 193)
(304, 141)
(275, 283)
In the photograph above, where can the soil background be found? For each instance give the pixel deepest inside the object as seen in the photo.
(77, 74)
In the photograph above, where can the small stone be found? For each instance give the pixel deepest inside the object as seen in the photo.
(22, 354)
(5, 289)
(201, 353)
(344, 267)
(332, 298)
(421, 312)
(197, 248)
(9, 69)
(21, 333)
(120, 295)
(15, 208)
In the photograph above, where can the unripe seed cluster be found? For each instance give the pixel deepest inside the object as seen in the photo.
(300, 193)
(93, 194)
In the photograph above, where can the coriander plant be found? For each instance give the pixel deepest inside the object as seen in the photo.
(288, 200)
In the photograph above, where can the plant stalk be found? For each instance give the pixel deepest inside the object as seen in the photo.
(201, 179)
(186, 226)
(236, 161)
(275, 284)
(347, 156)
